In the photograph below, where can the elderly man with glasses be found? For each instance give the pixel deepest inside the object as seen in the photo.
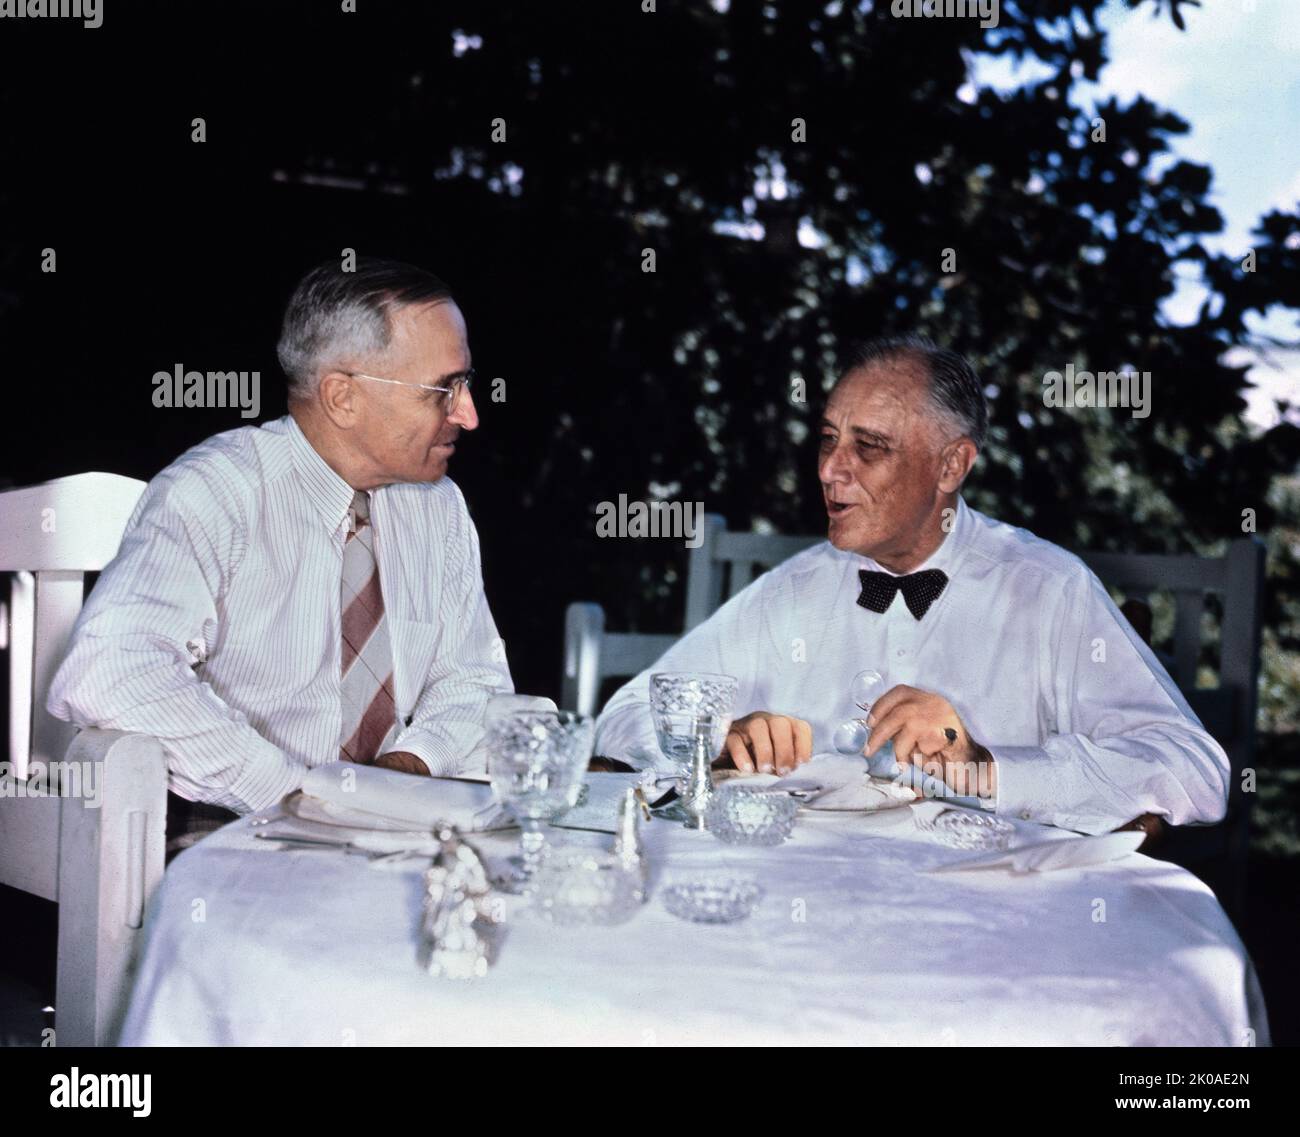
(309, 590)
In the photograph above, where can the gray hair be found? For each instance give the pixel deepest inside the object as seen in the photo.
(955, 389)
(335, 315)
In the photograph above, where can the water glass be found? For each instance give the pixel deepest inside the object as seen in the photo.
(682, 705)
(536, 763)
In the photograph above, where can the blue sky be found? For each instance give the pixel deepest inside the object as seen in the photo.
(1234, 75)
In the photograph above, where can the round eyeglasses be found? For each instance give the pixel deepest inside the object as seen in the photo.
(450, 397)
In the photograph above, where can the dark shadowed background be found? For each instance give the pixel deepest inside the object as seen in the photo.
(671, 131)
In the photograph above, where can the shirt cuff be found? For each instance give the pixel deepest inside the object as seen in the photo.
(440, 756)
(642, 758)
(1017, 794)
(1029, 787)
(641, 753)
(265, 779)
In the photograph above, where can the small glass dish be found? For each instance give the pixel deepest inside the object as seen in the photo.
(751, 815)
(966, 829)
(587, 886)
(716, 899)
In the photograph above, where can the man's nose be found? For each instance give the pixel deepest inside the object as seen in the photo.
(832, 468)
(465, 415)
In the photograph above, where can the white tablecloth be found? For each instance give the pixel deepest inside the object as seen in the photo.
(852, 943)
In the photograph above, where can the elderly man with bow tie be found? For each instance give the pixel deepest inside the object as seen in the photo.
(1009, 671)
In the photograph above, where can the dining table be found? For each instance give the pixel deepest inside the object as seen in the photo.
(856, 939)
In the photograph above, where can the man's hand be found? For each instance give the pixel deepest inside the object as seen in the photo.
(404, 761)
(929, 734)
(765, 743)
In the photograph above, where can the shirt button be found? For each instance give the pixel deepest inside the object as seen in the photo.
(1024, 815)
(901, 652)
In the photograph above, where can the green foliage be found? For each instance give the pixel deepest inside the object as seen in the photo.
(1065, 250)
(628, 131)
(1065, 247)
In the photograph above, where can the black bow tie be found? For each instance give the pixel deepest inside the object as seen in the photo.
(920, 589)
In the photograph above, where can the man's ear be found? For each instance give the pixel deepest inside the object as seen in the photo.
(958, 458)
(337, 394)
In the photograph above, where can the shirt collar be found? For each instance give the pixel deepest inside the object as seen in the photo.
(328, 493)
(949, 553)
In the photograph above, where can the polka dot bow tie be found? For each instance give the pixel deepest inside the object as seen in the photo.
(920, 589)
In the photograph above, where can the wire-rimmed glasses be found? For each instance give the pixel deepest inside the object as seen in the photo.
(452, 394)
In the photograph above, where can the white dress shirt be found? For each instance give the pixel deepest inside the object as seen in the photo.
(1087, 728)
(216, 628)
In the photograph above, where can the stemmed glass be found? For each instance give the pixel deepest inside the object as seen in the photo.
(851, 738)
(683, 706)
(536, 762)
(852, 734)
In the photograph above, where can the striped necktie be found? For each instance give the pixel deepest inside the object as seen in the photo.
(369, 710)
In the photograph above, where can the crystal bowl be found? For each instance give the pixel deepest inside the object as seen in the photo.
(751, 815)
(588, 887)
(966, 829)
(713, 899)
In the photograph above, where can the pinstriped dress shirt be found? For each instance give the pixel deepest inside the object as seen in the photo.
(217, 627)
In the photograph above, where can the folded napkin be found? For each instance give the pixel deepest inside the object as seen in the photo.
(344, 788)
(840, 782)
(1043, 856)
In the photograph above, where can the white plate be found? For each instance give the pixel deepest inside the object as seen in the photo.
(883, 796)
(839, 784)
(880, 794)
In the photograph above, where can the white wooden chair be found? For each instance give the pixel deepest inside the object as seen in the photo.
(720, 567)
(98, 858)
(100, 864)
(726, 562)
(1218, 852)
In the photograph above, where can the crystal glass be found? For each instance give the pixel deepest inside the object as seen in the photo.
(966, 829)
(536, 763)
(716, 899)
(583, 886)
(851, 736)
(751, 815)
(682, 705)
